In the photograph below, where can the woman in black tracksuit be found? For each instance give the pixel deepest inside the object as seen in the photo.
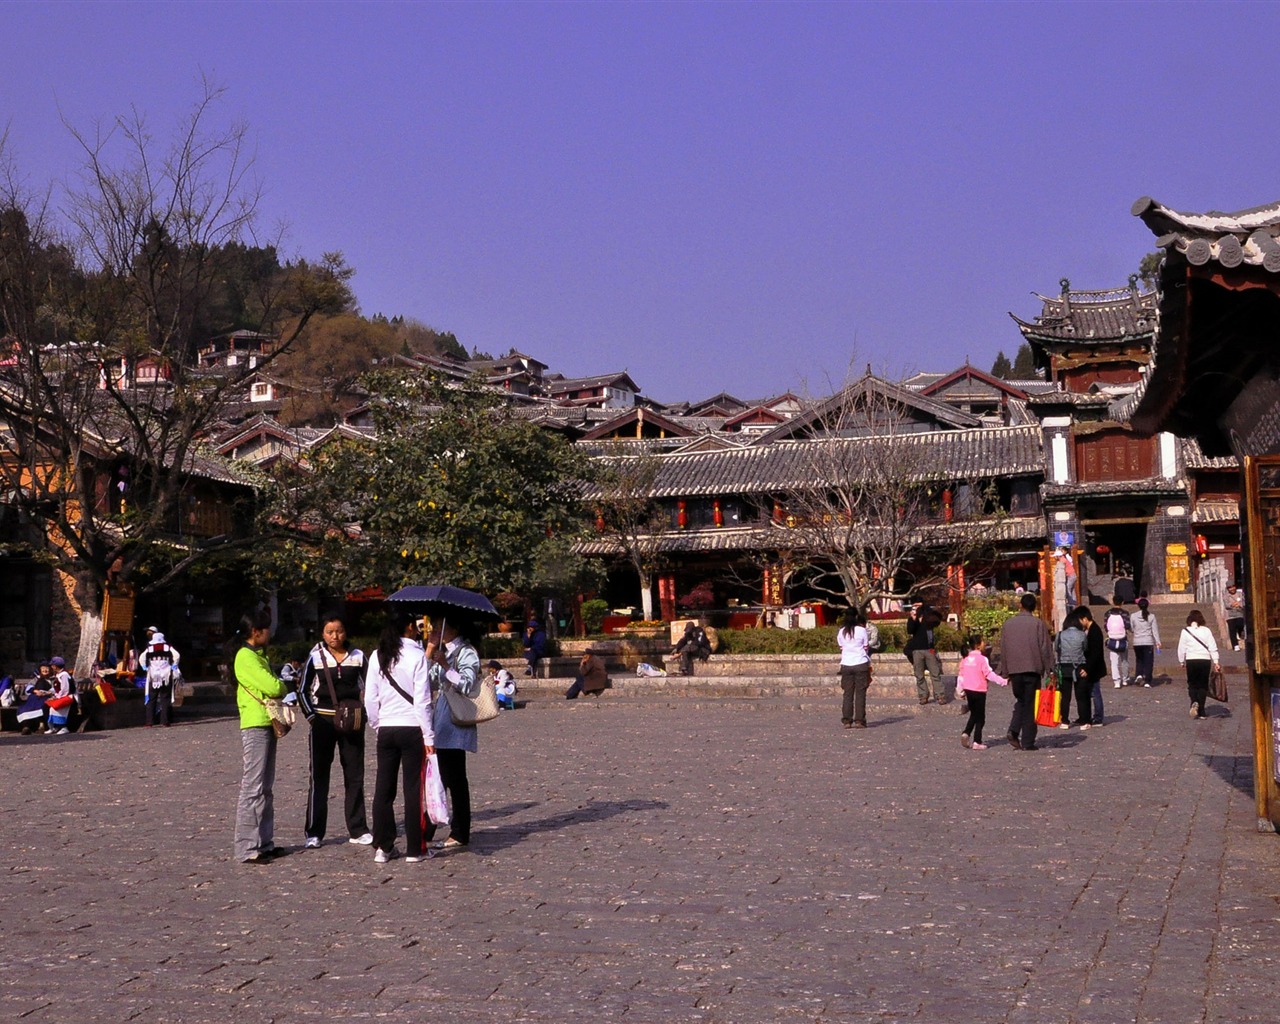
(332, 661)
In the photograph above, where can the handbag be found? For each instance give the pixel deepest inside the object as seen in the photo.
(348, 715)
(1217, 681)
(1048, 704)
(105, 691)
(1218, 684)
(282, 715)
(433, 792)
(466, 710)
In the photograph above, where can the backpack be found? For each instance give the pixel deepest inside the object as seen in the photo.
(873, 639)
(1117, 625)
(159, 666)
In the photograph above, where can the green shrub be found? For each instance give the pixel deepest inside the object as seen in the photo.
(593, 613)
(987, 621)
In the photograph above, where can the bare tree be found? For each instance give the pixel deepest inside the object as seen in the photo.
(877, 506)
(630, 517)
(108, 284)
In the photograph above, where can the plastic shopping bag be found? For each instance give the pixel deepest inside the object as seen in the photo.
(433, 792)
(1048, 705)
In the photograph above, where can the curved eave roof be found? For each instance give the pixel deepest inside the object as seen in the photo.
(1246, 238)
(789, 465)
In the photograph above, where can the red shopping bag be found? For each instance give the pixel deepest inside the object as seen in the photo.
(1048, 704)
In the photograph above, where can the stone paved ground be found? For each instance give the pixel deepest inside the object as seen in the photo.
(651, 861)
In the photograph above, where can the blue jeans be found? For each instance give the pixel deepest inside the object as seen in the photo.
(1097, 701)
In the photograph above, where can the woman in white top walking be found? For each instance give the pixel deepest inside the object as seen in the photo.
(1198, 651)
(855, 668)
(397, 697)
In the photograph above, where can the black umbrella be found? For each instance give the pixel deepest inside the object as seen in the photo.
(440, 600)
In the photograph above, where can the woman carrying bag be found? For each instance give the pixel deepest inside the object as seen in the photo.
(332, 681)
(455, 663)
(1198, 651)
(398, 700)
(255, 684)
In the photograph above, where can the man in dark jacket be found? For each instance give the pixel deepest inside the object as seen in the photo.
(694, 644)
(1026, 654)
(921, 650)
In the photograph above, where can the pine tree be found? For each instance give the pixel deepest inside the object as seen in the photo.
(1001, 367)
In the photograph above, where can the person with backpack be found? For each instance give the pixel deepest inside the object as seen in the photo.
(694, 644)
(159, 663)
(1116, 626)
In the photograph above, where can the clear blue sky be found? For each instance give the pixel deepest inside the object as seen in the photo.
(748, 197)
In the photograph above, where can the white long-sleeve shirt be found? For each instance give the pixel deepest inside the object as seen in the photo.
(1196, 643)
(385, 706)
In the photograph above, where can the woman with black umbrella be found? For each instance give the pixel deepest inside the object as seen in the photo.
(455, 663)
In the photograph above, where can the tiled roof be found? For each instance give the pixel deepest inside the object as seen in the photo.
(1216, 512)
(1157, 487)
(1248, 236)
(770, 536)
(1193, 457)
(789, 465)
(1092, 317)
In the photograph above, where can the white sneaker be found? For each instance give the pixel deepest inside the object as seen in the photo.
(312, 843)
(1192, 712)
(364, 840)
(1064, 725)
(1085, 726)
(412, 860)
(1236, 647)
(382, 856)
(1117, 684)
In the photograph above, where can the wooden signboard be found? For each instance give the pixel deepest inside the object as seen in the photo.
(1262, 499)
(117, 611)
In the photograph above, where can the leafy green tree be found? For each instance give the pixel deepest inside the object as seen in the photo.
(453, 488)
(1149, 267)
(1001, 368)
(1024, 364)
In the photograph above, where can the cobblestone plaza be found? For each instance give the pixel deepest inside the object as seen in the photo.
(659, 861)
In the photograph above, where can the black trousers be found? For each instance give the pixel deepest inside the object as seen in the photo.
(977, 701)
(400, 750)
(325, 740)
(1073, 679)
(158, 707)
(453, 775)
(1023, 725)
(1198, 682)
(1235, 630)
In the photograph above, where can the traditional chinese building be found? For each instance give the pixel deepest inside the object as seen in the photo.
(1214, 376)
(1129, 503)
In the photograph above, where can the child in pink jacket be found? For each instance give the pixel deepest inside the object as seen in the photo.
(974, 672)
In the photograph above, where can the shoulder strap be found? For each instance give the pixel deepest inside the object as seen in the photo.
(1196, 638)
(394, 685)
(328, 678)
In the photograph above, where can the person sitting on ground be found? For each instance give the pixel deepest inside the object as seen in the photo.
(694, 644)
(291, 671)
(504, 684)
(592, 676)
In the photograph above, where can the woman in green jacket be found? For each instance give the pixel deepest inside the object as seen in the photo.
(255, 682)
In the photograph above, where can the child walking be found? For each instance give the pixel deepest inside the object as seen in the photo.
(972, 678)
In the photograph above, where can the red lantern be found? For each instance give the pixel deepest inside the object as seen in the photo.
(1202, 545)
(1102, 549)
(682, 515)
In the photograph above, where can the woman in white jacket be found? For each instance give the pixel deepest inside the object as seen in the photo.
(1198, 651)
(397, 698)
